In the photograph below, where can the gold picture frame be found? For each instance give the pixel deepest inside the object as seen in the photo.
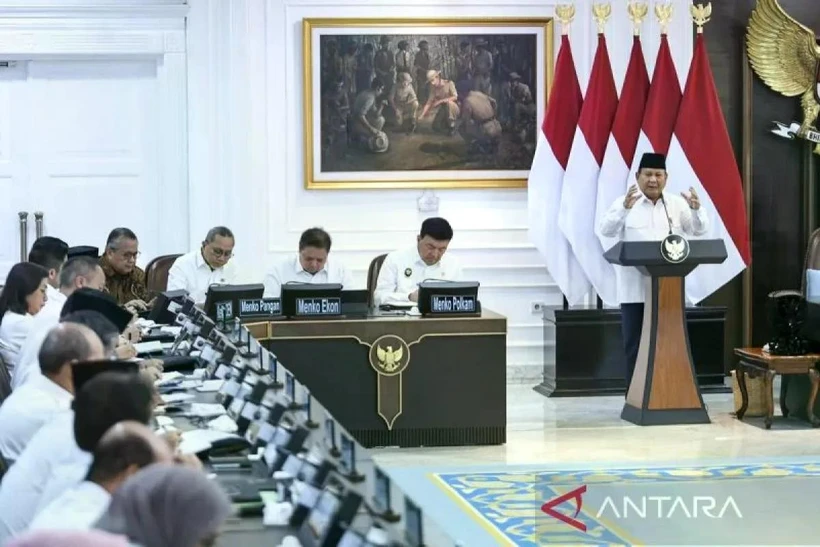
(358, 166)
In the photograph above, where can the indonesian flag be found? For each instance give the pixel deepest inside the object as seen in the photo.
(701, 157)
(661, 110)
(576, 217)
(547, 175)
(620, 150)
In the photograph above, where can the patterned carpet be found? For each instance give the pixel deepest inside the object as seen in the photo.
(753, 504)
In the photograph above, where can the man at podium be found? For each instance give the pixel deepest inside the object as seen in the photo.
(645, 213)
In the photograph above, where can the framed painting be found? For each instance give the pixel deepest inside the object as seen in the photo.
(423, 103)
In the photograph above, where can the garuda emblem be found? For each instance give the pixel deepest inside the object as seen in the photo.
(674, 248)
(389, 359)
(785, 55)
(389, 355)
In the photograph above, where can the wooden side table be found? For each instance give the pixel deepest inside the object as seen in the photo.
(755, 362)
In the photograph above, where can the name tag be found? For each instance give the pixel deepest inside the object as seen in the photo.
(445, 304)
(224, 311)
(260, 308)
(307, 307)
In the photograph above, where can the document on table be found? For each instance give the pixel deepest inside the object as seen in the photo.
(144, 348)
(209, 386)
(171, 398)
(206, 410)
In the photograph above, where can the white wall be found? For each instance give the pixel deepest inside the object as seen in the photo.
(93, 111)
(245, 147)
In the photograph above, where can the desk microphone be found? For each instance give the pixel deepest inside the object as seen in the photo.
(668, 220)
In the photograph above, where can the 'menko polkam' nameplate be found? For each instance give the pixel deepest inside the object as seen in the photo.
(445, 304)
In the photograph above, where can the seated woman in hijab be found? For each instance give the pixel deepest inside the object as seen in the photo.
(166, 505)
(23, 296)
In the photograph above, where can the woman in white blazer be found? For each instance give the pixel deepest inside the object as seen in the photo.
(23, 296)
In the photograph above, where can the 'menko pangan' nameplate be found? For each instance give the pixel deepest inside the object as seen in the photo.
(318, 306)
(260, 308)
(444, 304)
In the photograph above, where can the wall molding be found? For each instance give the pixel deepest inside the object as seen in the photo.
(106, 30)
(62, 14)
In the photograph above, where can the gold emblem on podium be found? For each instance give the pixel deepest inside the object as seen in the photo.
(389, 356)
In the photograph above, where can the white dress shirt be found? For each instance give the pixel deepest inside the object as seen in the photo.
(28, 365)
(289, 270)
(78, 508)
(647, 221)
(402, 272)
(14, 330)
(50, 464)
(191, 273)
(26, 410)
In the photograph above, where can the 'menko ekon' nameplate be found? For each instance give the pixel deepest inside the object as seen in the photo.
(260, 308)
(318, 305)
(444, 304)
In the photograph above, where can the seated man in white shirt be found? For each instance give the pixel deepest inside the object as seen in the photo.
(310, 265)
(208, 265)
(77, 273)
(645, 213)
(403, 270)
(124, 449)
(59, 455)
(50, 253)
(29, 407)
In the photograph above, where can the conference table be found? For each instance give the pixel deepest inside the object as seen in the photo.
(393, 379)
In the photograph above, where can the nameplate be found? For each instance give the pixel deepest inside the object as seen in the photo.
(309, 306)
(224, 311)
(260, 308)
(445, 304)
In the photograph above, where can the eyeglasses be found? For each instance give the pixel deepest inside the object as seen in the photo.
(130, 256)
(219, 253)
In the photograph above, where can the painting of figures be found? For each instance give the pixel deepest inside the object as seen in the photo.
(442, 106)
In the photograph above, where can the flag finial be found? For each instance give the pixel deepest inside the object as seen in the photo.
(565, 14)
(601, 13)
(701, 14)
(664, 14)
(637, 13)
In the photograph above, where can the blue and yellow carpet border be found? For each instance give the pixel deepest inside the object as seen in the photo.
(506, 502)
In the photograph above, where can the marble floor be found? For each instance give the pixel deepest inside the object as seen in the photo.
(589, 430)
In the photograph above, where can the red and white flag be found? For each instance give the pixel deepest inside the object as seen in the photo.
(576, 217)
(547, 175)
(661, 110)
(701, 157)
(620, 150)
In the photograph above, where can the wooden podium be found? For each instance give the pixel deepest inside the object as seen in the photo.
(664, 390)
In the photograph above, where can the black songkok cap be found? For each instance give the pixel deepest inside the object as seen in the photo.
(650, 160)
(91, 299)
(84, 250)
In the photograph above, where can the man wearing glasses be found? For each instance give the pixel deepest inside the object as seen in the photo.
(125, 281)
(209, 265)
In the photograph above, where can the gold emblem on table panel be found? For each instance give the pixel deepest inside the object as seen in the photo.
(389, 356)
(785, 55)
